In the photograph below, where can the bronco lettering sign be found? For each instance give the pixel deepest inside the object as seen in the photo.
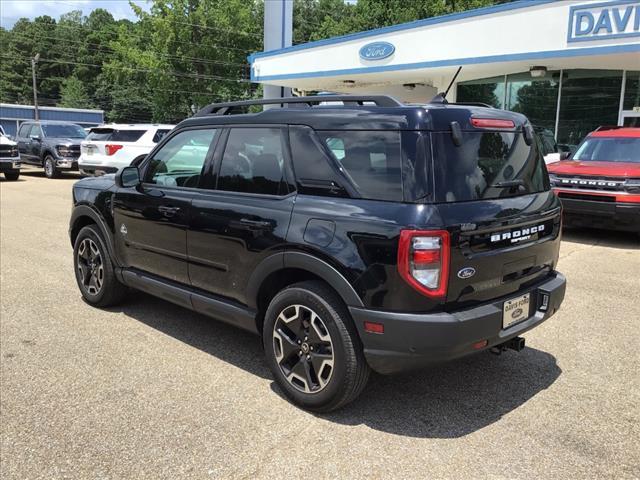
(597, 21)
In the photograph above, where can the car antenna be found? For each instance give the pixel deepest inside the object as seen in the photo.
(442, 96)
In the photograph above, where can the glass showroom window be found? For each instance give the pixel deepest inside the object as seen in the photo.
(589, 98)
(537, 98)
(487, 90)
(632, 91)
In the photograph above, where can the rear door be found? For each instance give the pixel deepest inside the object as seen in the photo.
(493, 194)
(151, 220)
(245, 218)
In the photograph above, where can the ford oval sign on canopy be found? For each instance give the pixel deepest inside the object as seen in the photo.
(377, 51)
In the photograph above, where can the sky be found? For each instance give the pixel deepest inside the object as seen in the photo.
(12, 10)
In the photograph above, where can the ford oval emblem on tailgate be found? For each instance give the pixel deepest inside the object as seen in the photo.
(467, 272)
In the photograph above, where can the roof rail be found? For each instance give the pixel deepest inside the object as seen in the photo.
(229, 108)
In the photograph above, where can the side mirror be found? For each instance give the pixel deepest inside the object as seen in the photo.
(36, 138)
(128, 177)
(564, 155)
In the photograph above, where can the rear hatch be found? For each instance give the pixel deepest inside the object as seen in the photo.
(103, 143)
(493, 194)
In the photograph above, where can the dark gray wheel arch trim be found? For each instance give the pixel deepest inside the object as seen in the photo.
(303, 261)
(80, 211)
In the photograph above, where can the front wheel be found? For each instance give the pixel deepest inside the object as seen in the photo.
(50, 169)
(312, 347)
(94, 270)
(12, 176)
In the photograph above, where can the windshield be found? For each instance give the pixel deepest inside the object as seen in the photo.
(63, 131)
(610, 149)
(486, 165)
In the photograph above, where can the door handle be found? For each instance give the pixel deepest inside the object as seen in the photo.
(168, 211)
(255, 223)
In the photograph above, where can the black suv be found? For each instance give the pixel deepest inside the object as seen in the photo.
(50, 144)
(352, 233)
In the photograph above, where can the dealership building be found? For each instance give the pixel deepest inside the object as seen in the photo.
(12, 115)
(570, 66)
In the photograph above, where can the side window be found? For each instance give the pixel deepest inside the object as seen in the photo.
(312, 166)
(253, 162)
(159, 135)
(36, 131)
(371, 159)
(24, 130)
(179, 162)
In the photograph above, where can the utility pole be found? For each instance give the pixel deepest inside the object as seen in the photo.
(34, 62)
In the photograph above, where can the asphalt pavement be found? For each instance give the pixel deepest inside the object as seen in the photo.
(151, 390)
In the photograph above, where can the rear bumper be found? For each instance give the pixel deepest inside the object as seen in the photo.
(606, 215)
(94, 169)
(412, 341)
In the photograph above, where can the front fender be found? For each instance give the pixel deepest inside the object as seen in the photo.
(79, 215)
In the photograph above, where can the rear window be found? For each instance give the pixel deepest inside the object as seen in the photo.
(603, 149)
(487, 165)
(370, 159)
(112, 135)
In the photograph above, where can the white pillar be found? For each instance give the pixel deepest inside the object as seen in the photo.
(278, 33)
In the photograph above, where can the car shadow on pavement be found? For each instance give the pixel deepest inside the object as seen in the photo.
(605, 238)
(454, 399)
(444, 401)
(226, 342)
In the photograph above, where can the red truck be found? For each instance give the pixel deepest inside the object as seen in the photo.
(599, 185)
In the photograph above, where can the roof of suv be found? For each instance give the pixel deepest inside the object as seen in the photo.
(624, 132)
(430, 116)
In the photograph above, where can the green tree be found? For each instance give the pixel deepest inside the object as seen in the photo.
(74, 94)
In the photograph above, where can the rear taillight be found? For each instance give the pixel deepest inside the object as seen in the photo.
(112, 148)
(423, 260)
(492, 123)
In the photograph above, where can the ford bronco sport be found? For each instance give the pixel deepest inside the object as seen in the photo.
(599, 184)
(352, 233)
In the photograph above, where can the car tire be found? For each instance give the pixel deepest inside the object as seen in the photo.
(94, 269)
(12, 176)
(312, 347)
(50, 169)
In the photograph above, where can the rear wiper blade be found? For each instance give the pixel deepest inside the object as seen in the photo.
(508, 184)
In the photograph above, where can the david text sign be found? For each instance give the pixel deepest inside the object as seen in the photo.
(599, 21)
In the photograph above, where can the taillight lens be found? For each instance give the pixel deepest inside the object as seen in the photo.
(492, 123)
(111, 148)
(423, 260)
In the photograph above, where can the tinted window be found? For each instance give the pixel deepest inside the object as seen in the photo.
(64, 131)
(314, 173)
(159, 135)
(253, 162)
(100, 134)
(35, 131)
(126, 135)
(109, 134)
(24, 130)
(179, 162)
(371, 160)
(480, 167)
(609, 150)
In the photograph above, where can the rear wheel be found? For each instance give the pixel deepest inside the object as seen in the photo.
(312, 347)
(12, 176)
(94, 270)
(50, 169)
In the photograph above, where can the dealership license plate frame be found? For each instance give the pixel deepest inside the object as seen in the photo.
(510, 316)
